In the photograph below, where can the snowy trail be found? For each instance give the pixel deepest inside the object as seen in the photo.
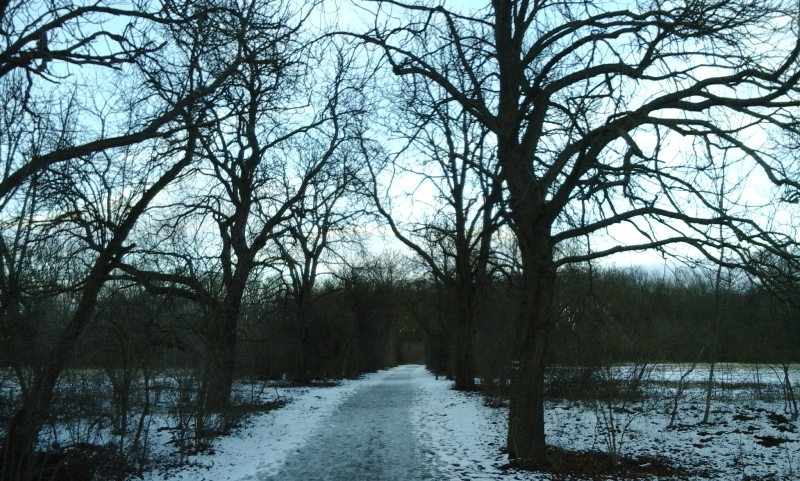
(397, 424)
(369, 436)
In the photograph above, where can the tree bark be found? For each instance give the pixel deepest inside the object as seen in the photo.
(465, 370)
(465, 334)
(526, 437)
(303, 299)
(221, 363)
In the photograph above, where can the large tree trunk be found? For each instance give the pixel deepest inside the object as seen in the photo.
(220, 369)
(221, 360)
(526, 439)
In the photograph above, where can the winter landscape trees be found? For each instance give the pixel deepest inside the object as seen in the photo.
(228, 160)
(585, 102)
(104, 174)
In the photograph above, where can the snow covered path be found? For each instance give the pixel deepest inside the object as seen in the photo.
(398, 424)
(370, 436)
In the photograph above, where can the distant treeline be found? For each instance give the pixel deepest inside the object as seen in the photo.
(688, 315)
(379, 315)
(614, 315)
(350, 325)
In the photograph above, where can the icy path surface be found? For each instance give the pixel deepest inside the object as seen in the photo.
(399, 424)
(369, 436)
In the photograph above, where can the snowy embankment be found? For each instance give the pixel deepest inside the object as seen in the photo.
(746, 438)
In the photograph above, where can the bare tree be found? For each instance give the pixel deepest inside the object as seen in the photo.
(109, 243)
(446, 151)
(97, 190)
(277, 138)
(248, 197)
(321, 226)
(48, 51)
(608, 116)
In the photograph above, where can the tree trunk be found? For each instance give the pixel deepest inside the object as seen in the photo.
(709, 391)
(465, 371)
(303, 321)
(526, 438)
(465, 334)
(221, 362)
(301, 374)
(23, 431)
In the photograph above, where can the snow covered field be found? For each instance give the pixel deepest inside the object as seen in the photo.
(460, 438)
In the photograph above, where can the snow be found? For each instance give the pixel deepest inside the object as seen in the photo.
(261, 448)
(458, 432)
(462, 438)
